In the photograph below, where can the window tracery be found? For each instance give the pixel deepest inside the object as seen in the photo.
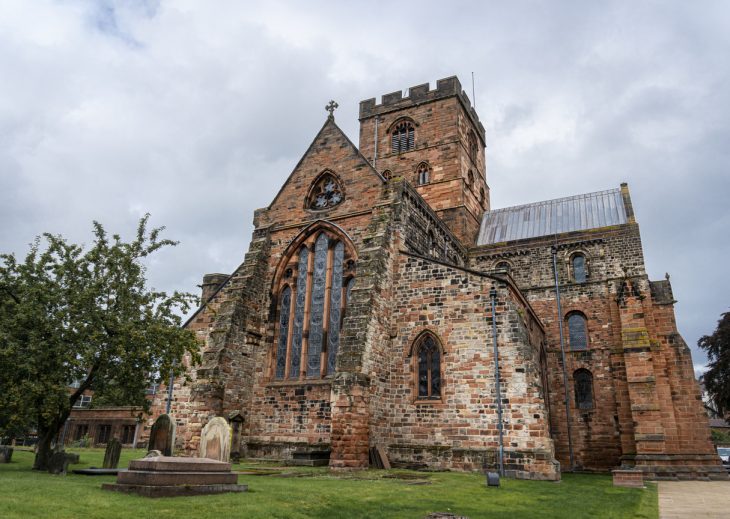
(325, 193)
(428, 367)
(310, 307)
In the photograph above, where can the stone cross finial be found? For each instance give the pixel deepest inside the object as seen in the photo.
(331, 107)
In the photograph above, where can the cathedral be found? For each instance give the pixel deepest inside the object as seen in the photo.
(383, 304)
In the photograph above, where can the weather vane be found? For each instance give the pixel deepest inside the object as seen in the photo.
(331, 107)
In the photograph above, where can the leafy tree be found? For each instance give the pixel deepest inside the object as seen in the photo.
(73, 315)
(717, 377)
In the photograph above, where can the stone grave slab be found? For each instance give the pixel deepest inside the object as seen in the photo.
(167, 476)
(215, 440)
(6, 453)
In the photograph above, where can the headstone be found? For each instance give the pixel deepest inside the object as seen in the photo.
(162, 435)
(215, 440)
(6, 453)
(58, 464)
(112, 453)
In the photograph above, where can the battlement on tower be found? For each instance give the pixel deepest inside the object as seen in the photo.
(419, 94)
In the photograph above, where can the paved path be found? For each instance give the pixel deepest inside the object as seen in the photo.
(694, 499)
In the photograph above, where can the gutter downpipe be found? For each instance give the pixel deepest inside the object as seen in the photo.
(375, 141)
(493, 296)
(554, 251)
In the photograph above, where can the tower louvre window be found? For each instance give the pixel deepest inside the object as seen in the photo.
(403, 137)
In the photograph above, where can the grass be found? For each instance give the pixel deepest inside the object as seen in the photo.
(318, 493)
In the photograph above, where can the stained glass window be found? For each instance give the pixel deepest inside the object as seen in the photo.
(579, 268)
(429, 369)
(326, 193)
(284, 312)
(333, 329)
(583, 381)
(316, 322)
(403, 137)
(577, 332)
(298, 329)
(316, 297)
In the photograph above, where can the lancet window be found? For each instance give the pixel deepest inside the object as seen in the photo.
(577, 331)
(313, 294)
(428, 367)
(583, 381)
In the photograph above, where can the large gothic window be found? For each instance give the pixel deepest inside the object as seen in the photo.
(403, 137)
(312, 297)
(325, 193)
(577, 331)
(583, 381)
(428, 373)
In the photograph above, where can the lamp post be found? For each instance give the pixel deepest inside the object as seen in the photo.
(493, 296)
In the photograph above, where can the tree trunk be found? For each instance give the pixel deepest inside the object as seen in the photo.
(44, 450)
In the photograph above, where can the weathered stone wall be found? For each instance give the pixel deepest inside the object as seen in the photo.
(460, 429)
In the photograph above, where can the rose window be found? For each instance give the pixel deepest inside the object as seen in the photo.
(326, 193)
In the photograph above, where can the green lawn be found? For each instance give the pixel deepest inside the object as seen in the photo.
(317, 493)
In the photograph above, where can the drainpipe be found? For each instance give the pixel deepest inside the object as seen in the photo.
(375, 140)
(554, 251)
(493, 296)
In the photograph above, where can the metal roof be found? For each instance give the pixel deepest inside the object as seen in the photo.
(573, 213)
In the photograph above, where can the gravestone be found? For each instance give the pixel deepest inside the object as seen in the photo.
(215, 440)
(6, 453)
(112, 453)
(162, 435)
(58, 464)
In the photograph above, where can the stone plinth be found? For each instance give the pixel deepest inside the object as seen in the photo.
(628, 478)
(167, 476)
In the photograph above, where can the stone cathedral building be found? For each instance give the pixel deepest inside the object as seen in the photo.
(361, 316)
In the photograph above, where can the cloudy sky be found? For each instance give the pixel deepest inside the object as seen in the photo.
(197, 112)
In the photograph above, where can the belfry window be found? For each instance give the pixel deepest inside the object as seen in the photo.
(472, 143)
(310, 309)
(325, 193)
(470, 179)
(583, 381)
(403, 137)
(428, 368)
(577, 331)
(423, 174)
(579, 268)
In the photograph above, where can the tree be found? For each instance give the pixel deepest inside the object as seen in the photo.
(717, 377)
(73, 315)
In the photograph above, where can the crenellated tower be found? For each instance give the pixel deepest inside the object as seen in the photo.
(434, 139)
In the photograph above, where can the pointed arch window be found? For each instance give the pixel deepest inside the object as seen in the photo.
(583, 382)
(310, 308)
(428, 367)
(423, 174)
(325, 193)
(470, 179)
(472, 143)
(577, 331)
(403, 137)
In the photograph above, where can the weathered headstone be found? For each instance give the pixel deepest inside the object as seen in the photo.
(215, 440)
(58, 464)
(162, 435)
(112, 453)
(6, 453)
